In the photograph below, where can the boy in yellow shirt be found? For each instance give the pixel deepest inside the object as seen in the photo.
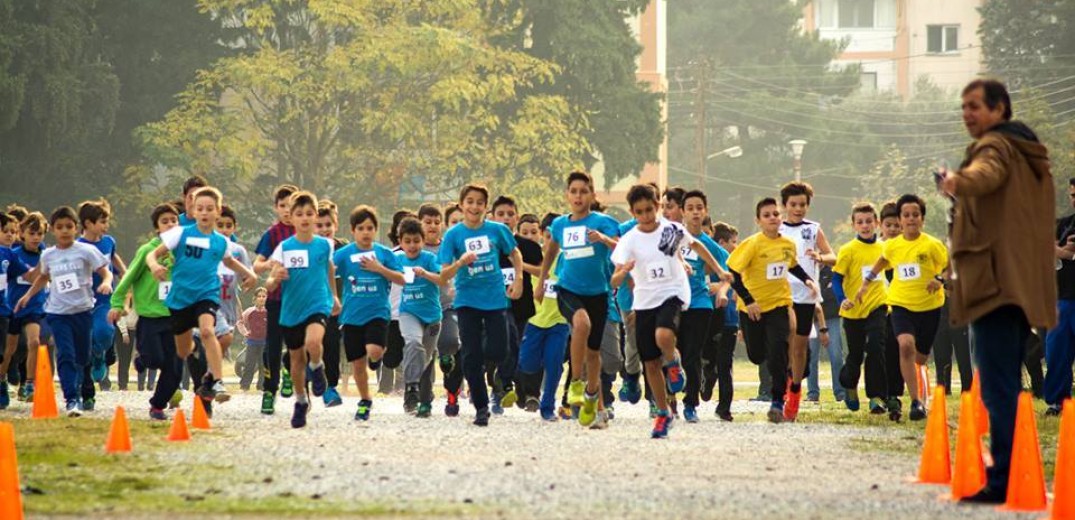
(759, 266)
(919, 261)
(864, 323)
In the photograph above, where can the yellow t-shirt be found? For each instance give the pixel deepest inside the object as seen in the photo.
(855, 259)
(548, 312)
(915, 263)
(763, 263)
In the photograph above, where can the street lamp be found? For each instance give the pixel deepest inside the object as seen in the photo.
(797, 146)
(733, 152)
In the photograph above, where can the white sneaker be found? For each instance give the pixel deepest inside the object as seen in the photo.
(601, 421)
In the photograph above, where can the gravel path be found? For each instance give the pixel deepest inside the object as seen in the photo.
(521, 467)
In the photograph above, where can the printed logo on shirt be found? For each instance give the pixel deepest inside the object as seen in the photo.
(670, 238)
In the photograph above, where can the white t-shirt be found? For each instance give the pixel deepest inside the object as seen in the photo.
(658, 273)
(804, 234)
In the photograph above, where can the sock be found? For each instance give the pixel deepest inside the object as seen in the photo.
(316, 366)
(301, 398)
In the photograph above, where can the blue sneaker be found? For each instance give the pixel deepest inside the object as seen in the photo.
(495, 405)
(73, 408)
(332, 397)
(690, 414)
(157, 414)
(674, 376)
(549, 416)
(363, 411)
(5, 400)
(99, 371)
(851, 400)
(631, 391)
(29, 389)
(661, 424)
(318, 382)
(298, 419)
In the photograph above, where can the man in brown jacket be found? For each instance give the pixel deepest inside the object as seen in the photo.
(1002, 257)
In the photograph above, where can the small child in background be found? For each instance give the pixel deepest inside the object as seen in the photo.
(252, 325)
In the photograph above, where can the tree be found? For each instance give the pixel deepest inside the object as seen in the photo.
(349, 97)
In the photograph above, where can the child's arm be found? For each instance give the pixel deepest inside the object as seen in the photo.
(516, 289)
(824, 254)
(336, 305)
(621, 272)
(822, 329)
(370, 263)
(159, 271)
(106, 280)
(878, 267)
(118, 264)
(39, 283)
(710, 261)
(552, 250)
(249, 278)
(448, 271)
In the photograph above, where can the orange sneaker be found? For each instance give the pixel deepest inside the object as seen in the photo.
(791, 403)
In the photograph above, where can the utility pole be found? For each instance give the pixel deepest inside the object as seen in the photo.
(701, 76)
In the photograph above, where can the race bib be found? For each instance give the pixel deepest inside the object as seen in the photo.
(509, 275)
(550, 289)
(357, 257)
(658, 271)
(66, 283)
(574, 236)
(477, 245)
(297, 259)
(408, 274)
(163, 289)
(688, 253)
(198, 242)
(776, 271)
(908, 272)
(580, 252)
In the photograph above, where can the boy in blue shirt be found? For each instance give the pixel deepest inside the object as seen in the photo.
(94, 217)
(586, 238)
(11, 270)
(28, 320)
(420, 315)
(194, 295)
(723, 333)
(470, 253)
(368, 270)
(305, 271)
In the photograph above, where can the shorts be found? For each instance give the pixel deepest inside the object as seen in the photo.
(804, 318)
(185, 319)
(595, 306)
(295, 337)
(665, 316)
(921, 325)
(356, 337)
(15, 325)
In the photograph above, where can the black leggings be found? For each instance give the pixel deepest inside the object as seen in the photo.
(692, 335)
(767, 342)
(717, 353)
(483, 336)
(866, 344)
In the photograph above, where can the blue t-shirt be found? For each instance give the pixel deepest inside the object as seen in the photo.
(421, 297)
(625, 297)
(17, 287)
(107, 246)
(365, 293)
(700, 297)
(11, 268)
(194, 274)
(307, 290)
(585, 266)
(185, 220)
(479, 285)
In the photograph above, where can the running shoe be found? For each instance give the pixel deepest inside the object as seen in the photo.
(776, 413)
(268, 403)
(611, 412)
(661, 424)
(29, 389)
(157, 414)
(318, 382)
(298, 418)
(220, 392)
(918, 410)
(725, 416)
(451, 409)
(575, 393)
(631, 391)
(5, 400)
(332, 397)
(588, 413)
(565, 413)
(88, 404)
(495, 403)
(549, 416)
(73, 408)
(1052, 410)
(791, 403)
(425, 410)
(363, 411)
(481, 418)
(509, 399)
(852, 400)
(674, 376)
(176, 399)
(877, 406)
(601, 421)
(652, 410)
(287, 388)
(690, 414)
(895, 412)
(708, 382)
(532, 404)
(410, 400)
(99, 370)
(20, 394)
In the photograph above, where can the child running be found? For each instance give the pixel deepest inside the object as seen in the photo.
(328, 222)
(94, 217)
(27, 320)
(419, 313)
(723, 334)
(278, 232)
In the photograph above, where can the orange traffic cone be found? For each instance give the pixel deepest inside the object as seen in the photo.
(179, 431)
(969, 474)
(936, 464)
(1026, 480)
(199, 419)
(119, 435)
(10, 497)
(1064, 484)
(44, 394)
(983, 414)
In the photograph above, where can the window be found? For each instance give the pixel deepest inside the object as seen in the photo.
(868, 82)
(941, 39)
(856, 14)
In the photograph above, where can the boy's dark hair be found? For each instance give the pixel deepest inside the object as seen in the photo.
(863, 207)
(675, 194)
(794, 188)
(597, 205)
(695, 194)
(327, 208)
(210, 192)
(889, 210)
(34, 221)
(502, 200)
(546, 221)
(362, 213)
(910, 198)
(1071, 181)
(480, 188)
(706, 221)
(283, 191)
(227, 211)
(580, 176)
(529, 218)
(452, 208)
(6, 219)
(410, 226)
(16, 211)
(397, 217)
(92, 211)
(159, 210)
(993, 92)
(640, 192)
(724, 232)
(61, 213)
(767, 201)
(428, 210)
(194, 182)
(301, 199)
